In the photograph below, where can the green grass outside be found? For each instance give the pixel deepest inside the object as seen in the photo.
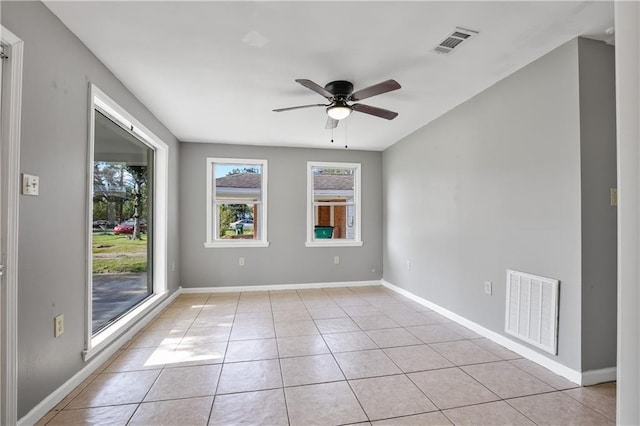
(118, 254)
(114, 266)
(230, 233)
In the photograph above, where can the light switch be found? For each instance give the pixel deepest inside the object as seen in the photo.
(30, 184)
(613, 196)
(58, 326)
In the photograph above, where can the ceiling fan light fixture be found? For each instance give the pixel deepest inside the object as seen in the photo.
(339, 111)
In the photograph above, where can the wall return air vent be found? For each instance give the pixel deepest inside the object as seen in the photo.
(532, 309)
(453, 40)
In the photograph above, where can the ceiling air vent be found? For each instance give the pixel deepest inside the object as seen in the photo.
(453, 40)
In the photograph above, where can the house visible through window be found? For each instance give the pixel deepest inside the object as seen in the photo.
(333, 193)
(236, 202)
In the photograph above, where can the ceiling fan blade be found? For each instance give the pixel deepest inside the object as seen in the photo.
(331, 123)
(376, 89)
(378, 112)
(315, 87)
(299, 107)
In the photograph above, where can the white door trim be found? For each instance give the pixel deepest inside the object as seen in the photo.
(96, 343)
(11, 137)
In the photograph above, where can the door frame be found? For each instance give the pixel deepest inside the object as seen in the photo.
(96, 343)
(12, 112)
(627, 42)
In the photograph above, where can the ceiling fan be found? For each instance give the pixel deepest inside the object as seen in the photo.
(339, 93)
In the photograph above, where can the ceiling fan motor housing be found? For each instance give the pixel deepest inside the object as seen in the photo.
(340, 88)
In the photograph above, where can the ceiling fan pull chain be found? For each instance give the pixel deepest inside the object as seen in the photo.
(345, 135)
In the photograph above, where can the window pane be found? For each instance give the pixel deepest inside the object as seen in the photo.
(237, 221)
(238, 182)
(335, 221)
(122, 222)
(333, 184)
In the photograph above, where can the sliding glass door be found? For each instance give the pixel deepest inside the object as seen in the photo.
(122, 222)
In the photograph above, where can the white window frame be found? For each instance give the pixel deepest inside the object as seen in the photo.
(211, 216)
(96, 342)
(357, 190)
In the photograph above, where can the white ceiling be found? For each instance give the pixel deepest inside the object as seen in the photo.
(212, 71)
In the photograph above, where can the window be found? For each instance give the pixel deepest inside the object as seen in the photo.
(333, 204)
(127, 223)
(236, 203)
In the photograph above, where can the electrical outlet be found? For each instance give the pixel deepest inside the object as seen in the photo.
(336, 260)
(241, 261)
(30, 184)
(173, 266)
(409, 264)
(488, 287)
(58, 325)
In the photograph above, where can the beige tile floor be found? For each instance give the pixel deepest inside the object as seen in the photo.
(361, 355)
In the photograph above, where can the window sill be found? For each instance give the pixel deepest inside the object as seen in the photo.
(236, 243)
(333, 243)
(105, 337)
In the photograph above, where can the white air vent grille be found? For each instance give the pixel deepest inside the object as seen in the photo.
(532, 309)
(453, 40)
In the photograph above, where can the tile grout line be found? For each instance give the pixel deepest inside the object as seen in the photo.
(506, 401)
(539, 378)
(345, 376)
(215, 390)
(580, 402)
(548, 393)
(275, 338)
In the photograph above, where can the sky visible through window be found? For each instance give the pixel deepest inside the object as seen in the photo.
(221, 170)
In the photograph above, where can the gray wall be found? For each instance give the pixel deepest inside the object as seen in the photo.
(491, 185)
(598, 175)
(286, 260)
(52, 257)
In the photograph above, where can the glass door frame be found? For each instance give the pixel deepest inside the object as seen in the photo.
(94, 343)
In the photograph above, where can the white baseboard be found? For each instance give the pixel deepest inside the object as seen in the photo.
(561, 370)
(603, 375)
(59, 394)
(274, 287)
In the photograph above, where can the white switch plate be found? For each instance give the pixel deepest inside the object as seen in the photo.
(336, 260)
(58, 325)
(30, 184)
(241, 261)
(613, 196)
(487, 287)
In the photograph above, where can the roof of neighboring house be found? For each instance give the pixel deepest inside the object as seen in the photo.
(341, 182)
(240, 180)
(253, 180)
